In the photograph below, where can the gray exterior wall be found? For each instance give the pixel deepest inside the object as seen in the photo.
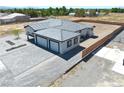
(4, 21)
(87, 32)
(22, 18)
(63, 45)
(14, 19)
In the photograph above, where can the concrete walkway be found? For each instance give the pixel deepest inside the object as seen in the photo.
(115, 55)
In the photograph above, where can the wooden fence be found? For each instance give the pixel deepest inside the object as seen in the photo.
(98, 21)
(90, 49)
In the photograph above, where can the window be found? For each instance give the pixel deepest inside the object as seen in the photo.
(69, 43)
(76, 40)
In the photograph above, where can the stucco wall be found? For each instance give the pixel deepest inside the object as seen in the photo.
(22, 18)
(63, 45)
(87, 32)
(4, 21)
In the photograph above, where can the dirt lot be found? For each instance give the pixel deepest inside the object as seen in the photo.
(118, 17)
(101, 30)
(6, 29)
(112, 17)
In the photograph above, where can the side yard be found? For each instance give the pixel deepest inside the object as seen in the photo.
(98, 69)
(7, 29)
(112, 17)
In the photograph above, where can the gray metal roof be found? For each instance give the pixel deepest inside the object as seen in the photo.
(57, 34)
(72, 26)
(3, 14)
(12, 16)
(60, 24)
(45, 24)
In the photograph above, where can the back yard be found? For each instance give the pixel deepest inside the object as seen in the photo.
(112, 17)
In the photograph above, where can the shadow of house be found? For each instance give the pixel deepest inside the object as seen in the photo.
(66, 56)
(31, 40)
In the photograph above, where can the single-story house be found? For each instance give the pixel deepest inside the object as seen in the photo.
(57, 40)
(72, 14)
(3, 14)
(57, 34)
(14, 17)
(84, 29)
(89, 13)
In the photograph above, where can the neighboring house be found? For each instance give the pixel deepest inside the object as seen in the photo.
(57, 34)
(3, 14)
(14, 17)
(71, 14)
(89, 13)
(97, 13)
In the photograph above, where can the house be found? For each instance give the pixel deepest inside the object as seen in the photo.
(57, 40)
(14, 17)
(58, 35)
(72, 14)
(84, 29)
(3, 14)
(92, 13)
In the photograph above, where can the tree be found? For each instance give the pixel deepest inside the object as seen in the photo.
(50, 11)
(16, 32)
(92, 12)
(117, 10)
(71, 10)
(56, 11)
(80, 13)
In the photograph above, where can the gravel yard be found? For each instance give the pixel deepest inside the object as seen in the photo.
(111, 17)
(101, 30)
(7, 29)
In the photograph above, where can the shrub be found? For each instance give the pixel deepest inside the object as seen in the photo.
(16, 32)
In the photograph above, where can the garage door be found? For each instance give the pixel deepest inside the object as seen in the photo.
(54, 46)
(42, 41)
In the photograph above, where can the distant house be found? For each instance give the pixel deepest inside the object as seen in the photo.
(58, 35)
(3, 14)
(72, 14)
(14, 17)
(91, 13)
(97, 13)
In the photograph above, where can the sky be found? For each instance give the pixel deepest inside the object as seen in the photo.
(67, 3)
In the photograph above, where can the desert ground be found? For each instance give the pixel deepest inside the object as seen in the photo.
(112, 17)
(7, 29)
